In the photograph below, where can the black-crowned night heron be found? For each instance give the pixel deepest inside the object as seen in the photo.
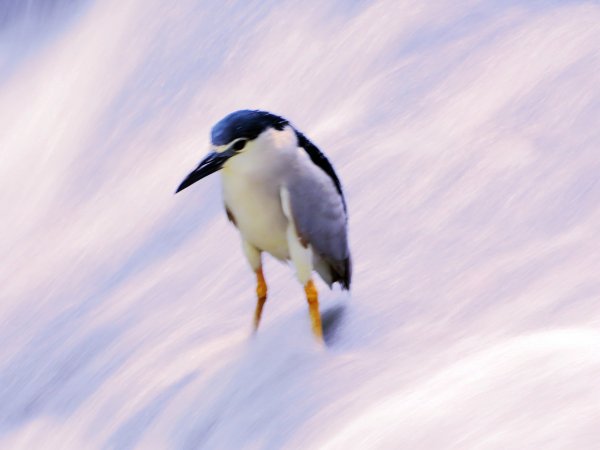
(284, 197)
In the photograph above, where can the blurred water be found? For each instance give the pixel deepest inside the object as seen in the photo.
(466, 138)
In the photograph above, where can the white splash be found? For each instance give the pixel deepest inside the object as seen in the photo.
(466, 137)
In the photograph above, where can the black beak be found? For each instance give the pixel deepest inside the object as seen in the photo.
(213, 162)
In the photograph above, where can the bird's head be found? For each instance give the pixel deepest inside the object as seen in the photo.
(231, 137)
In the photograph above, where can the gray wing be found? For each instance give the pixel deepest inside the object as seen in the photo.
(319, 213)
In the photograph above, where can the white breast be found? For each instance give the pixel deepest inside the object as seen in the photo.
(251, 184)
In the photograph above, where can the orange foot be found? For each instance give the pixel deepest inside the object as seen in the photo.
(312, 297)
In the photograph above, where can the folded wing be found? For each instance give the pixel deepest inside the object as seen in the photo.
(319, 213)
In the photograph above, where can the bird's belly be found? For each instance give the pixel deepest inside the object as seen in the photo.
(258, 215)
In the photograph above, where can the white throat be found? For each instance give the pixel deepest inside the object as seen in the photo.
(269, 153)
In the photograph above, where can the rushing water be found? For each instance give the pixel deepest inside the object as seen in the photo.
(466, 137)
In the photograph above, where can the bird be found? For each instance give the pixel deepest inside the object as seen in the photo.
(285, 199)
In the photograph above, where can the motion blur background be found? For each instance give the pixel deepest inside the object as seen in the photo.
(467, 138)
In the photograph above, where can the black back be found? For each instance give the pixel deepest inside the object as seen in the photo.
(319, 159)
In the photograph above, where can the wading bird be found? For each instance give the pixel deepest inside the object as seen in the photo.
(285, 199)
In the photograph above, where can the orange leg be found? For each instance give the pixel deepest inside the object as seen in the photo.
(261, 294)
(312, 297)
